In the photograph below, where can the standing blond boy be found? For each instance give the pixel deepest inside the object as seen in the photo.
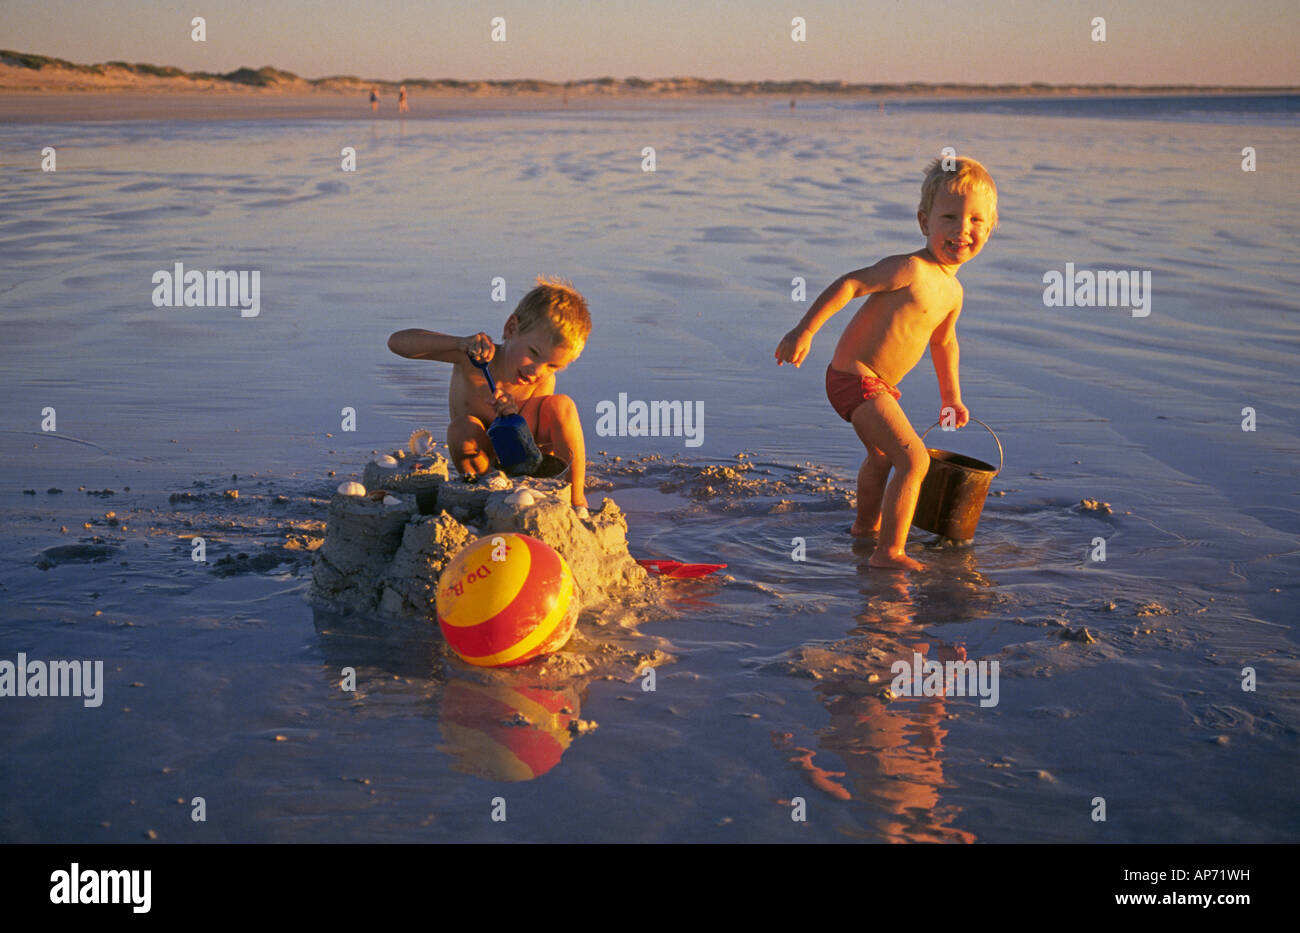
(914, 300)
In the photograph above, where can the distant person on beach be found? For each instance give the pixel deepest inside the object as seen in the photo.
(374, 100)
(546, 333)
(402, 105)
(914, 300)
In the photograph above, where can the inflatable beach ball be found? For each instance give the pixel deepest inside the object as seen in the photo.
(506, 599)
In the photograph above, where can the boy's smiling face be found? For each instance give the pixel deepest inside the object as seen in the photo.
(958, 225)
(530, 356)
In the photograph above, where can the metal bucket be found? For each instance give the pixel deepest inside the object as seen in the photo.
(953, 491)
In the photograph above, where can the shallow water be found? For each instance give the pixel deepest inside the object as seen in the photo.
(770, 694)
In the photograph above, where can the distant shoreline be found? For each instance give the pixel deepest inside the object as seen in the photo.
(22, 72)
(38, 89)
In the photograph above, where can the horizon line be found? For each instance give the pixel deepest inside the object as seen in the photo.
(269, 75)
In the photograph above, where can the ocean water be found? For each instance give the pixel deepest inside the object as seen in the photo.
(222, 680)
(1238, 109)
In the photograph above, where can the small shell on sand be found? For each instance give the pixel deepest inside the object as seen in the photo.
(387, 461)
(421, 442)
(521, 498)
(351, 489)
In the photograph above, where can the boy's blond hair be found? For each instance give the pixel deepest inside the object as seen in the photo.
(557, 305)
(964, 176)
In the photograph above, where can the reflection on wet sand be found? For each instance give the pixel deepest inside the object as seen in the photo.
(507, 732)
(891, 746)
(501, 724)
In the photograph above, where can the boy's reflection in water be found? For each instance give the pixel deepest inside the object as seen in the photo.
(890, 748)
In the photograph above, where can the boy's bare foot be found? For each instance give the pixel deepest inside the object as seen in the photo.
(860, 530)
(886, 561)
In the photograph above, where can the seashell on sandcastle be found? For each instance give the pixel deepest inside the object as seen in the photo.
(386, 546)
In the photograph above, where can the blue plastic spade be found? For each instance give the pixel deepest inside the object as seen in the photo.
(513, 442)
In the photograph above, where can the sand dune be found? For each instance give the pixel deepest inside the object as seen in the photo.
(21, 71)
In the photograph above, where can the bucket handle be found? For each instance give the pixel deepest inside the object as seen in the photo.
(986, 428)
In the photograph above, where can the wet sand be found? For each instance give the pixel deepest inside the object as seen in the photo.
(157, 101)
(97, 106)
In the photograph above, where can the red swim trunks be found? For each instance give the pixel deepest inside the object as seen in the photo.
(847, 391)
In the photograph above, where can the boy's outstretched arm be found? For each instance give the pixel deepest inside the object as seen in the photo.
(885, 276)
(944, 354)
(416, 344)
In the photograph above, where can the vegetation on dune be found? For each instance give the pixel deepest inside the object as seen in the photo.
(157, 71)
(266, 76)
(36, 62)
(39, 62)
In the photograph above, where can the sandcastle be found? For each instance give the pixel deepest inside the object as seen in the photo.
(383, 552)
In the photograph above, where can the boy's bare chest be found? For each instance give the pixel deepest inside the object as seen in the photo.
(469, 394)
(935, 295)
(921, 307)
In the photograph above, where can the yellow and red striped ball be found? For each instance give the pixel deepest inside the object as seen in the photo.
(506, 599)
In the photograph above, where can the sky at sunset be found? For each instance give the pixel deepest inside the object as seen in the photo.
(999, 41)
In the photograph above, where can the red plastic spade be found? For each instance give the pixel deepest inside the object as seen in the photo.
(675, 568)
